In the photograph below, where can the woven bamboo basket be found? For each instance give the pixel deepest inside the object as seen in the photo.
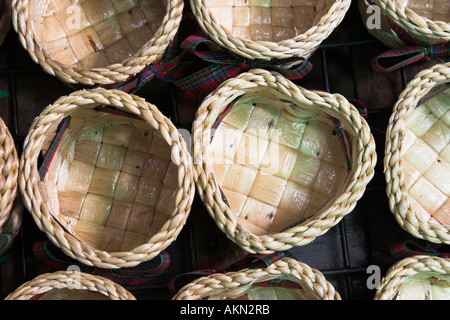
(96, 42)
(286, 279)
(66, 285)
(268, 29)
(9, 166)
(417, 156)
(5, 19)
(416, 278)
(275, 174)
(426, 21)
(114, 186)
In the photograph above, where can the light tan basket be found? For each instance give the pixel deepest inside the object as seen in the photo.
(118, 188)
(268, 29)
(5, 19)
(67, 285)
(285, 279)
(275, 174)
(96, 41)
(426, 21)
(416, 278)
(417, 156)
(9, 166)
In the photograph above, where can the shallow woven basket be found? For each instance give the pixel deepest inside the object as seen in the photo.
(416, 278)
(9, 167)
(275, 175)
(300, 283)
(268, 29)
(427, 21)
(115, 185)
(66, 285)
(5, 19)
(417, 156)
(96, 41)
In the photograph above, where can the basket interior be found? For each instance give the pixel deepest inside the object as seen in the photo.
(268, 20)
(276, 170)
(425, 153)
(72, 294)
(436, 10)
(275, 291)
(111, 182)
(425, 286)
(95, 33)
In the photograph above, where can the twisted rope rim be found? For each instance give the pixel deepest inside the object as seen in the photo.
(151, 52)
(406, 268)
(303, 45)
(235, 284)
(332, 104)
(394, 174)
(9, 166)
(64, 279)
(29, 177)
(414, 23)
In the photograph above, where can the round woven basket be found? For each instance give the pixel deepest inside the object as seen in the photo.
(417, 156)
(5, 19)
(114, 185)
(9, 166)
(66, 285)
(426, 21)
(416, 278)
(278, 165)
(267, 29)
(286, 279)
(96, 42)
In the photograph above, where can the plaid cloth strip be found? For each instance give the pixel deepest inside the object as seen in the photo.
(184, 66)
(414, 51)
(6, 241)
(409, 248)
(55, 258)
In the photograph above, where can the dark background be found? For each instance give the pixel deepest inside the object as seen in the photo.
(363, 238)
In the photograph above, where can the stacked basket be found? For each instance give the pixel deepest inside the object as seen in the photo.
(96, 42)
(107, 177)
(285, 279)
(277, 165)
(267, 29)
(66, 285)
(417, 162)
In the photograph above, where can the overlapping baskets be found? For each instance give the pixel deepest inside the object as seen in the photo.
(417, 156)
(107, 177)
(285, 279)
(266, 30)
(67, 285)
(96, 42)
(277, 165)
(416, 278)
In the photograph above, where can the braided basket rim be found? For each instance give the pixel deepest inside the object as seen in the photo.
(406, 268)
(303, 45)
(219, 285)
(412, 22)
(67, 280)
(29, 177)
(151, 52)
(305, 232)
(394, 174)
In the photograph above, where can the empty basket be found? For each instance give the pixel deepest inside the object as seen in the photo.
(278, 165)
(416, 278)
(66, 285)
(114, 186)
(5, 19)
(96, 41)
(425, 21)
(285, 279)
(267, 29)
(417, 156)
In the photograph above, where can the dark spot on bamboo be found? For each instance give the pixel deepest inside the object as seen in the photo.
(145, 133)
